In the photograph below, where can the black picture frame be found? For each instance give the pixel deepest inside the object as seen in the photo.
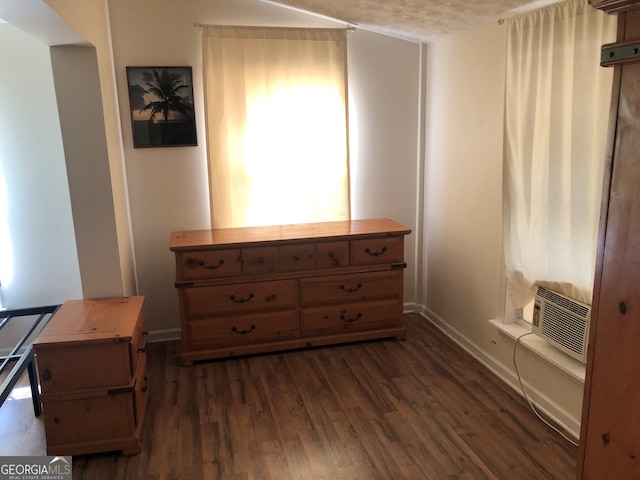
(161, 105)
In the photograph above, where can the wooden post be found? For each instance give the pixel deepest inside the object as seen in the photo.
(610, 430)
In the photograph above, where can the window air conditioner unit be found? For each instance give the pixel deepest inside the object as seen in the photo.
(563, 322)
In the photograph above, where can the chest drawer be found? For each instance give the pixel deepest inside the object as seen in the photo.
(331, 254)
(70, 418)
(375, 251)
(91, 344)
(260, 260)
(350, 318)
(238, 297)
(242, 329)
(351, 287)
(68, 369)
(294, 258)
(201, 265)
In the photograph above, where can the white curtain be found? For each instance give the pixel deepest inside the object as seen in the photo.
(556, 116)
(276, 115)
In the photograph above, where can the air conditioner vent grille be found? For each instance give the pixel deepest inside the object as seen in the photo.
(565, 329)
(564, 302)
(562, 321)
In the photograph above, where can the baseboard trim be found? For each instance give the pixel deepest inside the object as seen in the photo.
(409, 307)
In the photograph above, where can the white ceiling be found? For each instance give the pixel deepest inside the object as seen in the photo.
(417, 20)
(37, 19)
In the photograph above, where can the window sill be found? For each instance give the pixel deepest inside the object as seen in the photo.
(543, 349)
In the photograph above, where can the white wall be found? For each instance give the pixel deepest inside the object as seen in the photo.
(168, 186)
(90, 19)
(81, 115)
(33, 180)
(463, 188)
(460, 275)
(158, 190)
(384, 96)
(463, 185)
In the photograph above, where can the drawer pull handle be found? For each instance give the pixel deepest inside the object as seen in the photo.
(349, 320)
(375, 254)
(200, 263)
(296, 258)
(240, 300)
(270, 298)
(351, 290)
(243, 332)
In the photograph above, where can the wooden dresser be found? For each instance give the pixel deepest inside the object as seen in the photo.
(91, 360)
(260, 289)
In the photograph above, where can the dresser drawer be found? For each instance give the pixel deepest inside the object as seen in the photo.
(238, 297)
(242, 329)
(351, 287)
(331, 254)
(297, 257)
(375, 251)
(294, 258)
(260, 260)
(201, 265)
(329, 320)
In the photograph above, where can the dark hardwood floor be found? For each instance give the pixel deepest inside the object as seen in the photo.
(415, 409)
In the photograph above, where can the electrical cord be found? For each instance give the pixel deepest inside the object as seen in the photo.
(524, 393)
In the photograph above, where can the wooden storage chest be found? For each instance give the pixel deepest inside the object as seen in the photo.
(260, 289)
(92, 365)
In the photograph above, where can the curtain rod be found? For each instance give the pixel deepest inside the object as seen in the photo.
(349, 28)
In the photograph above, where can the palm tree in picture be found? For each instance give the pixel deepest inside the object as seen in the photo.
(166, 87)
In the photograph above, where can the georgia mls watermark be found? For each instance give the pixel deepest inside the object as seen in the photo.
(35, 468)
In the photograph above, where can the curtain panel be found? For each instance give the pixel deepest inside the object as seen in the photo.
(276, 119)
(556, 116)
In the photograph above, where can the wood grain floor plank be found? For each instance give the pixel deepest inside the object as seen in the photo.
(495, 407)
(419, 409)
(429, 415)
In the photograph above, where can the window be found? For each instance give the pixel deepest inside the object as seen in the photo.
(556, 116)
(276, 115)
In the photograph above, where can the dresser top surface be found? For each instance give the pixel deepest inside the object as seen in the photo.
(193, 239)
(92, 320)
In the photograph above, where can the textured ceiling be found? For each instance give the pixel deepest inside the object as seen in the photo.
(419, 20)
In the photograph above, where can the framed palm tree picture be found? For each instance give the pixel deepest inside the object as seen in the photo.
(161, 103)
